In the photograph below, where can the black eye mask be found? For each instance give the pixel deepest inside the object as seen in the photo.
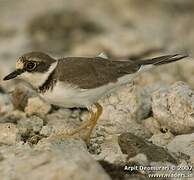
(34, 66)
(29, 66)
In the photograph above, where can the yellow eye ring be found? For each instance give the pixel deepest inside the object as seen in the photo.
(30, 66)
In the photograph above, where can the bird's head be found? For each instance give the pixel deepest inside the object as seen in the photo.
(34, 68)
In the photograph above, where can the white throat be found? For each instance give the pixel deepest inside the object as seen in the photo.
(37, 79)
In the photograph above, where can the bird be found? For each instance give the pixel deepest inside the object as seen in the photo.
(79, 82)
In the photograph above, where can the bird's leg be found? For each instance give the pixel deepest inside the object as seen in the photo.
(77, 130)
(93, 121)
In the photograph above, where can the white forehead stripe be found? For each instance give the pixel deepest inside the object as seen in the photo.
(19, 64)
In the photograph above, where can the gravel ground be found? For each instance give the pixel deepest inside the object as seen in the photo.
(147, 123)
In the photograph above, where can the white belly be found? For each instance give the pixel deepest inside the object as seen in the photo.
(66, 96)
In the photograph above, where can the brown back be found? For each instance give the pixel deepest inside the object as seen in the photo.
(93, 72)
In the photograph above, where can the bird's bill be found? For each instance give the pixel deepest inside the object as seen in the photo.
(14, 74)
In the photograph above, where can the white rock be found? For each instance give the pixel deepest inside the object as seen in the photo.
(37, 106)
(152, 125)
(173, 107)
(192, 160)
(61, 121)
(122, 110)
(162, 139)
(46, 130)
(53, 159)
(5, 104)
(13, 116)
(32, 124)
(37, 124)
(8, 133)
(110, 151)
(182, 144)
(140, 159)
(134, 100)
(20, 96)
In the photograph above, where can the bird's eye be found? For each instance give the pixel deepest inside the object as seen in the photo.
(30, 66)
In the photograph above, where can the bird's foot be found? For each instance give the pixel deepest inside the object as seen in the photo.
(87, 135)
(59, 135)
(90, 123)
(74, 132)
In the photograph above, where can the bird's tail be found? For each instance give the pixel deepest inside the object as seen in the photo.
(162, 60)
(151, 63)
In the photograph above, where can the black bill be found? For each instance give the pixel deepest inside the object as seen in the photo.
(13, 74)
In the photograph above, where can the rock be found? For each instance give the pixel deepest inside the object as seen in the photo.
(28, 127)
(139, 102)
(110, 151)
(135, 29)
(58, 158)
(20, 97)
(140, 159)
(1, 157)
(12, 116)
(118, 123)
(139, 130)
(36, 106)
(5, 104)
(166, 105)
(152, 125)
(8, 134)
(84, 115)
(61, 121)
(94, 147)
(192, 160)
(34, 139)
(133, 145)
(59, 143)
(162, 139)
(182, 144)
(41, 31)
(34, 123)
(37, 124)
(46, 130)
(122, 110)
(61, 114)
(134, 100)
